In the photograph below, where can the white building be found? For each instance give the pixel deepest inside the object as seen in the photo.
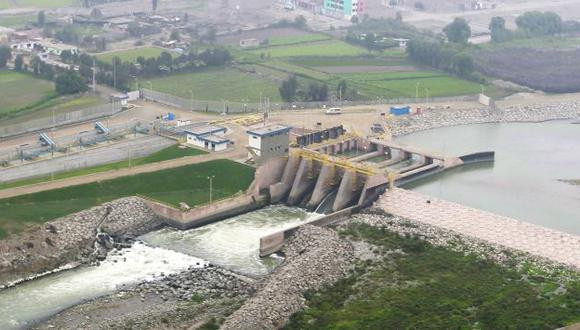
(268, 142)
(209, 137)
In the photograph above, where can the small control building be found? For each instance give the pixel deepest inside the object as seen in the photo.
(210, 137)
(268, 142)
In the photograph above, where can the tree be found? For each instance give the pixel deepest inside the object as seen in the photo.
(288, 89)
(5, 55)
(419, 6)
(497, 28)
(96, 13)
(354, 19)
(300, 22)
(41, 18)
(399, 16)
(341, 89)
(175, 35)
(18, 63)
(537, 23)
(70, 82)
(154, 4)
(458, 31)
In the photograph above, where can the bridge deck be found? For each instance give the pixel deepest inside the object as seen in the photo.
(540, 241)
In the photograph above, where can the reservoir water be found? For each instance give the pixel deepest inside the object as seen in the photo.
(233, 243)
(526, 182)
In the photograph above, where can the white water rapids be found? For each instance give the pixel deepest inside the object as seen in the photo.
(232, 243)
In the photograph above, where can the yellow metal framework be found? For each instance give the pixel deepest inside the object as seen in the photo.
(339, 162)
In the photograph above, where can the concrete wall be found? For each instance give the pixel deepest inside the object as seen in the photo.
(207, 214)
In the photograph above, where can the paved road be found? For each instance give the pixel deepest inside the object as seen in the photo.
(236, 153)
(536, 240)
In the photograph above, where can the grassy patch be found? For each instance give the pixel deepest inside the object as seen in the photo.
(131, 55)
(18, 90)
(325, 48)
(172, 152)
(429, 287)
(218, 84)
(46, 107)
(404, 84)
(183, 184)
(16, 21)
(292, 40)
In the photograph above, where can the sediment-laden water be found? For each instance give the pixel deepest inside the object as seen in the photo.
(525, 182)
(232, 243)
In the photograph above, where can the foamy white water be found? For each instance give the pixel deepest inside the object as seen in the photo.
(35, 300)
(233, 243)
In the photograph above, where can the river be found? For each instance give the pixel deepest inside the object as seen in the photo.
(524, 183)
(232, 243)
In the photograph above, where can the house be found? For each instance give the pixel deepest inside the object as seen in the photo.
(209, 137)
(343, 8)
(249, 43)
(5, 34)
(402, 42)
(268, 142)
(57, 48)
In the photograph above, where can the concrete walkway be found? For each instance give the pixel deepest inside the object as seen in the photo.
(17, 191)
(536, 240)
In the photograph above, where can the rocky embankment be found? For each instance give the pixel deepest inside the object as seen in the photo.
(460, 243)
(315, 257)
(175, 301)
(442, 118)
(71, 239)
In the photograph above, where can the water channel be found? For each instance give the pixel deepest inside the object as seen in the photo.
(526, 180)
(232, 243)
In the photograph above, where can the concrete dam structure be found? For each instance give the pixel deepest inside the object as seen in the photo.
(348, 171)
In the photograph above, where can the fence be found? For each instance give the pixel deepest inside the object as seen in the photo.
(61, 119)
(237, 107)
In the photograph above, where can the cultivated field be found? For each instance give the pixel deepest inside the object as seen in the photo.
(292, 40)
(19, 90)
(5, 4)
(16, 21)
(227, 84)
(549, 70)
(183, 184)
(131, 55)
(323, 48)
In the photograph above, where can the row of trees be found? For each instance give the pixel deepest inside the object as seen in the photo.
(448, 57)
(531, 24)
(291, 91)
(118, 73)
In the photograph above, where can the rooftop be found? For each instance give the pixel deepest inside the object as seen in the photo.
(215, 139)
(269, 130)
(205, 130)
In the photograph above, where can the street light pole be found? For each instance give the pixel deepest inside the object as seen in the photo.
(417, 92)
(191, 92)
(150, 85)
(210, 178)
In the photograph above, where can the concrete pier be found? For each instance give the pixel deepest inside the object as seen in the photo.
(279, 190)
(346, 191)
(324, 185)
(303, 182)
(539, 241)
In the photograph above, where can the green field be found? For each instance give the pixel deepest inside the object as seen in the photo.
(414, 285)
(227, 84)
(405, 84)
(131, 55)
(172, 152)
(16, 21)
(292, 40)
(4, 4)
(324, 48)
(18, 90)
(350, 61)
(184, 184)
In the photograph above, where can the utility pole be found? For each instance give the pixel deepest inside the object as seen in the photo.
(210, 178)
(191, 92)
(94, 76)
(114, 74)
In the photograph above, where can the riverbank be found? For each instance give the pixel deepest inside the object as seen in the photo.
(438, 118)
(195, 296)
(410, 275)
(70, 240)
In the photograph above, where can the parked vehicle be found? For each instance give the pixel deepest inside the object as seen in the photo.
(333, 111)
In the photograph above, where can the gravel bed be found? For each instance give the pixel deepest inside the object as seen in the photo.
(71, 239)
(315, 257)
(442, 118)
